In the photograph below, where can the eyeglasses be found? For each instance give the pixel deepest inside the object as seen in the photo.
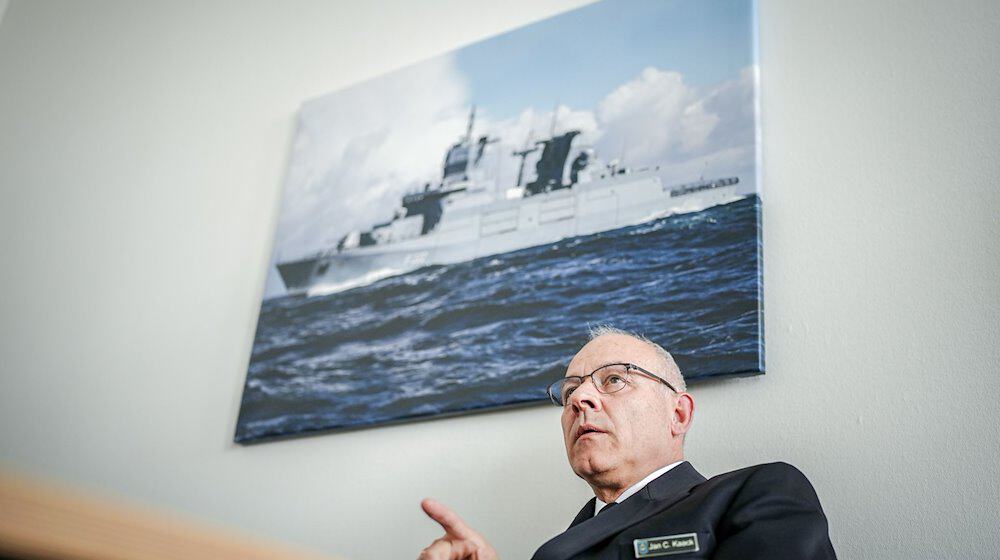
(609, 378)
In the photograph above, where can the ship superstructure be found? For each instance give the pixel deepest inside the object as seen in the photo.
(464, 217)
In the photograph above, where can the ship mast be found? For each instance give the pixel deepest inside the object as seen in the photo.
(472, 119)
(467, 142)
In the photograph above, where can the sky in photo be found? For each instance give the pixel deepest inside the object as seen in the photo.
(577, 58)
(663, 83)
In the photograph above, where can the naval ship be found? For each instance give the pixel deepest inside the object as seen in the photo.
(464, 217)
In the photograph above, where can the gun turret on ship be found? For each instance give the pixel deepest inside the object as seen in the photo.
(462, 218)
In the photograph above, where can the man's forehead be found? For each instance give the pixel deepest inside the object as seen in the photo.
(610, 348)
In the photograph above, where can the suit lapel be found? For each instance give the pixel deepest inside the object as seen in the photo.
(586, 513)
(587, 530)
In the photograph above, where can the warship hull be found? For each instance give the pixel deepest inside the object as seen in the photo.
(470, 231)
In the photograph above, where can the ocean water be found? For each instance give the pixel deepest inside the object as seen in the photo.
(496, 331)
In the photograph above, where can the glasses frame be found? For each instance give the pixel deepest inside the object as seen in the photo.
(583, 379)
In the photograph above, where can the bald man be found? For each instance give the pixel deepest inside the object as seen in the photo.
(625, 413)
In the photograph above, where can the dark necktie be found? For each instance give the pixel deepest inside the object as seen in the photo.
(606, 508)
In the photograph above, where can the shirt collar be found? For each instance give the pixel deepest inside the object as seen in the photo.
(599, 505)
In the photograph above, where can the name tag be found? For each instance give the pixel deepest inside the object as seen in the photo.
(662, 546)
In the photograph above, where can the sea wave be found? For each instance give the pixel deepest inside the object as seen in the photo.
(359, 282)
(496, 331)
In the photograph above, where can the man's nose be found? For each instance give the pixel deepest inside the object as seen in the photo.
(586, 396)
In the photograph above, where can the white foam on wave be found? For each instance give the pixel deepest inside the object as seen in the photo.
(370, 278)
(654, 216)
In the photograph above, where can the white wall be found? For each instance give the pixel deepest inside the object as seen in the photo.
(142, 149)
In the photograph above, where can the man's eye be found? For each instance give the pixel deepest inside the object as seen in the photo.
(567, 392)
(613, 380)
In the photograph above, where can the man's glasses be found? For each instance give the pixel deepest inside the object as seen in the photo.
(609, 378)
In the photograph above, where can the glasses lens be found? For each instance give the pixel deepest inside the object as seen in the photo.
(562, 389)
(611, 378)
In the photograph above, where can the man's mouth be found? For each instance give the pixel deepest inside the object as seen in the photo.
(586, 429)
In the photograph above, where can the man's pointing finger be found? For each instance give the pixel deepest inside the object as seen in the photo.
(448, 519)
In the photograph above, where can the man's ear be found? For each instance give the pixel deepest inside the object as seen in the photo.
(683, 414)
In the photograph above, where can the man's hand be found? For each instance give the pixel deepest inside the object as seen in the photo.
(459, 542)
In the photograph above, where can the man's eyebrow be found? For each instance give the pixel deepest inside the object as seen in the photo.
(613, 363)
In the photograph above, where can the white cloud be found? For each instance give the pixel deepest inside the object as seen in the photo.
(655, 117)
(658, 119)
(357, 151)
(733, 101)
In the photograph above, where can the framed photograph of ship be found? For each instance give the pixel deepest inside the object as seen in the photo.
(449, 231)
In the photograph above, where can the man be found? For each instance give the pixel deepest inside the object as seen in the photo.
(625, 415)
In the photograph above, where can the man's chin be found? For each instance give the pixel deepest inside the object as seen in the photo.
(589, 467)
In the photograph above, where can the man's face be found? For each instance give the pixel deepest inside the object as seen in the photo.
(623, 436)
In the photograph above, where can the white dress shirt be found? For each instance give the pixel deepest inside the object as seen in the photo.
(599, 505)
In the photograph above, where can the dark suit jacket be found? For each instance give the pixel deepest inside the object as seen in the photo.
(767, 511)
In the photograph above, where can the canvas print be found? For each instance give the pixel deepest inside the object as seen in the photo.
(449, 230)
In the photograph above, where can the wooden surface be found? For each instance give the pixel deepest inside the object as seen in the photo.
(44, 521)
